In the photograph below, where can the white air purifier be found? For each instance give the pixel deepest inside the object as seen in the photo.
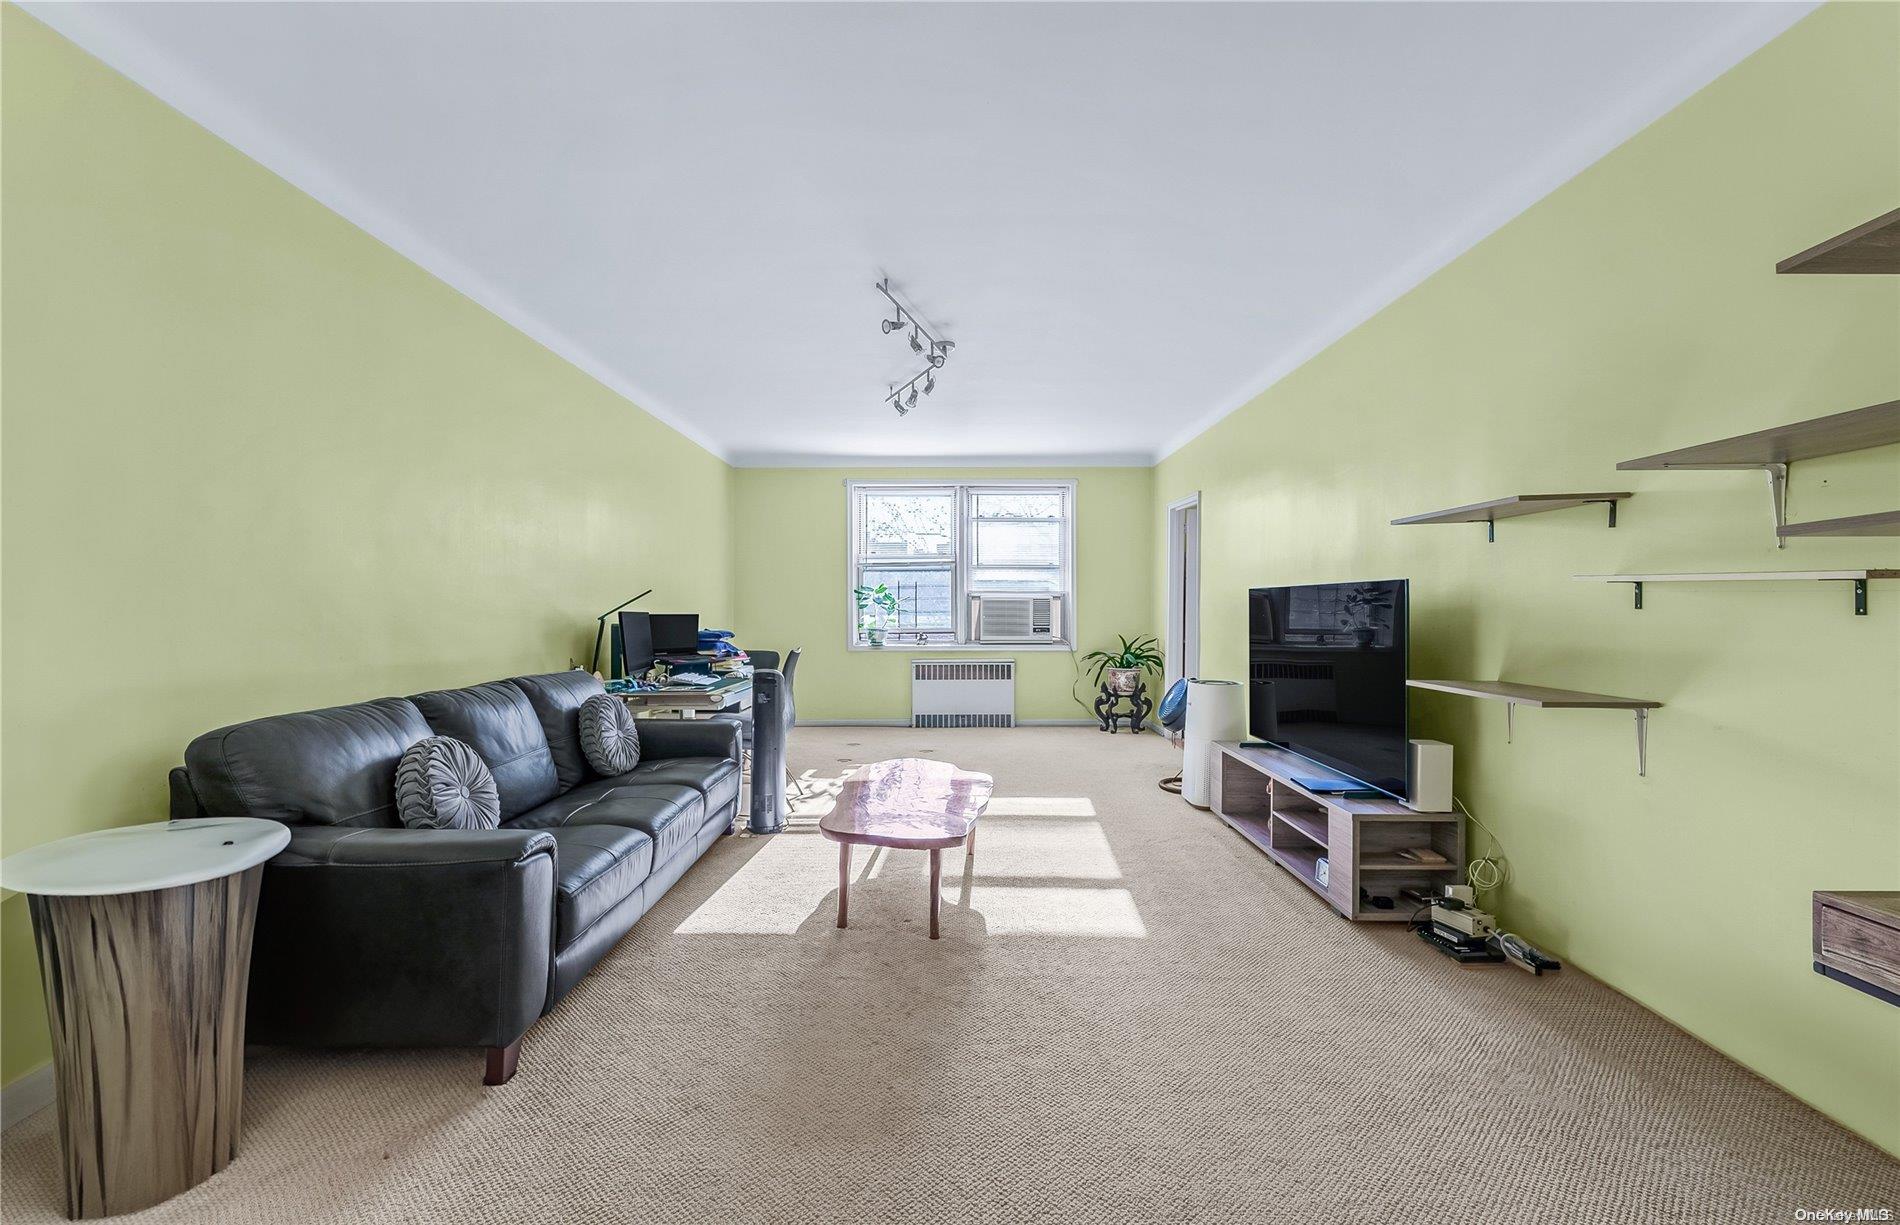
(1214, 714)
(1431, 777)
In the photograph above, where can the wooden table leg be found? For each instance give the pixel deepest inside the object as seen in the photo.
(936, 888)
(969, 847)
(844, 880)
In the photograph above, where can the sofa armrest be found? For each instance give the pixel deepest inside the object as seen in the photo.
(403, 937)
(664, 738)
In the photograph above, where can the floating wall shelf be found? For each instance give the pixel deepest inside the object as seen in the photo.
(1488, 513)
(1870, 248)
(1514, 695)
(1859, 578)
(1772, 450)
(1881, 523)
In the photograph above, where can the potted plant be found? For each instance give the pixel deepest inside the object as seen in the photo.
(876, 607)
(1362, 605)
(1121, 668)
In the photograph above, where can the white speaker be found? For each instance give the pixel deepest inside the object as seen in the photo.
(1431, 777)
(1213, 714)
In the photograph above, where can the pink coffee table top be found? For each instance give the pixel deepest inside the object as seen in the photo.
(910, 803)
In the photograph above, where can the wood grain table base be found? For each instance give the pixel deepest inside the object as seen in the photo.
(145, 996)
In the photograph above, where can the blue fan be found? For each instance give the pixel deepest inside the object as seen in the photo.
(1173, 712)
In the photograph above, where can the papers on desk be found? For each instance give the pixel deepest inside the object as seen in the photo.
(692, 680)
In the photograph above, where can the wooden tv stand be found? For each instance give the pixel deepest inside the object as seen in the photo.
(1254, 792)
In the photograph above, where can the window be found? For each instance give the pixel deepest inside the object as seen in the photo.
(940, 548)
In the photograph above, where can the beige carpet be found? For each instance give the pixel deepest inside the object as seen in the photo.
(1132, 1016)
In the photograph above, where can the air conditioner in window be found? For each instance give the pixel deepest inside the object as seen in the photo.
(1002, 617)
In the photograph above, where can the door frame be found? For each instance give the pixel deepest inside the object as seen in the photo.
(1182, 647)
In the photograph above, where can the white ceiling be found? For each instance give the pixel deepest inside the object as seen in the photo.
(1131, 218)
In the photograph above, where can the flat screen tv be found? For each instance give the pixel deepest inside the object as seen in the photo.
(1326, 678)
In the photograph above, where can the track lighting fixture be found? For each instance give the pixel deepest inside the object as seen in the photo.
(934, 351)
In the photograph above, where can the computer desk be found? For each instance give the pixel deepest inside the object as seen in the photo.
(730, 693)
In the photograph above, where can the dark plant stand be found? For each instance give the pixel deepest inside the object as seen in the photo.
(1139, 707)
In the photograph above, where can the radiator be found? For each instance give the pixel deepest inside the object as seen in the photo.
(963, 693)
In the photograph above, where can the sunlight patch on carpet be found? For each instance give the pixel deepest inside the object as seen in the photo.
(1016, 910)
(774, 892)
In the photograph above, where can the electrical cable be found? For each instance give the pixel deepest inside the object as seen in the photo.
(1486, 872)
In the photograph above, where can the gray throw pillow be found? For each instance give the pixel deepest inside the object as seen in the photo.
(442, 783)
(610, 739)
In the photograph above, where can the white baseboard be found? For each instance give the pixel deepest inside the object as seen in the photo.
(1057, 723)
(26, 1096)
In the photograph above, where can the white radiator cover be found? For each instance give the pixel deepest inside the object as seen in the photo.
(963, 693)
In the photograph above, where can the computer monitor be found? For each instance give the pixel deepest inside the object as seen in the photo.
(636, 643)
(675, 633)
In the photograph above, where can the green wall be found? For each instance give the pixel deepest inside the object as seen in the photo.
(254, 461)
(1636, 310)
(792, 585)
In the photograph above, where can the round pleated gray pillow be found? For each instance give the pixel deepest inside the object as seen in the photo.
(442, 783)
(610, 739)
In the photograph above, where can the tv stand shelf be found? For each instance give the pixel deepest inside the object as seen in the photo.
(1254, 793)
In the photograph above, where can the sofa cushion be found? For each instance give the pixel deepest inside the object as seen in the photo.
(442, 783)
(327, 767)
(556, 698)
(497, 721)
(715, 778)
(596, 867)
(610, 739)
(668, 813)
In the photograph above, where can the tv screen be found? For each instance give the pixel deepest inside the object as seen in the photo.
(1326, 677)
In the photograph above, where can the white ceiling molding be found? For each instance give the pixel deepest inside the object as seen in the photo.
(1584, 147)
(91, 25)
(1134, 218)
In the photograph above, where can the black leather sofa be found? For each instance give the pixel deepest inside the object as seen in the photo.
(373, 934)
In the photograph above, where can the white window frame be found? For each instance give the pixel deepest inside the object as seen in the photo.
(961, 637)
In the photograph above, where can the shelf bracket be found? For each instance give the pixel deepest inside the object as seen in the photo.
(1642, 743)
(1611, 503)
(1778, 494)
(1490, 531)
(1860, 597)
(1638, 589)
(1510, 721)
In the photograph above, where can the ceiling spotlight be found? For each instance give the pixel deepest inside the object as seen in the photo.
(923, 342)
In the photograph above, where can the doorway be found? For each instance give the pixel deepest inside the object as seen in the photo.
(1183, 645)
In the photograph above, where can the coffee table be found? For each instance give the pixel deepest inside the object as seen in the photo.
(911, 804)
